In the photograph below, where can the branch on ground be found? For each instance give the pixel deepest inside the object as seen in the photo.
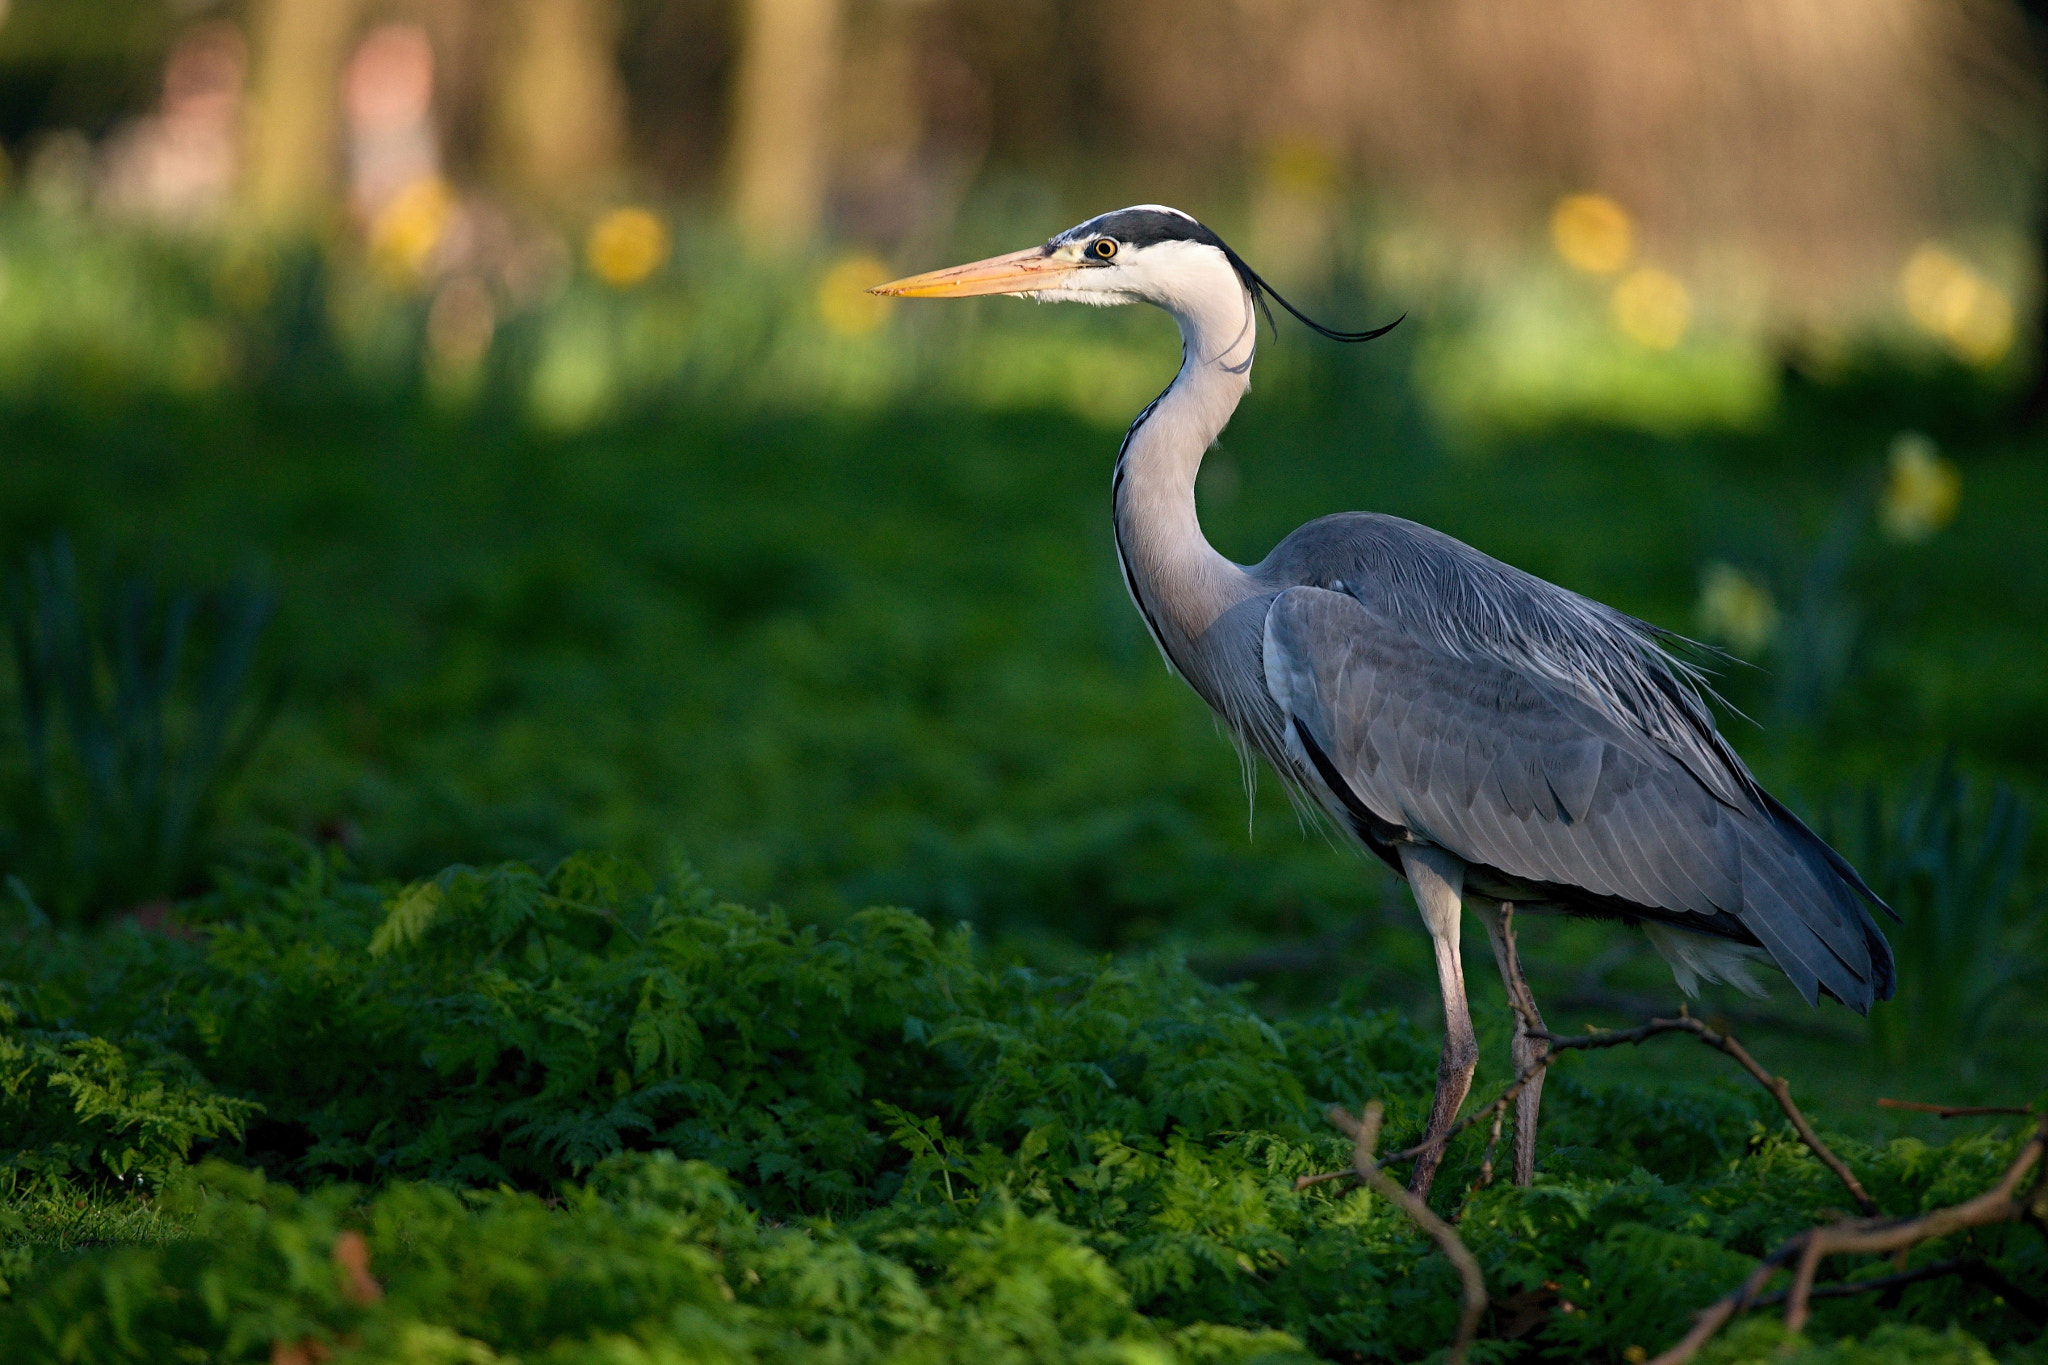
(1779, 1088)
(2002, 1203)
(1954, 1111)
(1364, 1133)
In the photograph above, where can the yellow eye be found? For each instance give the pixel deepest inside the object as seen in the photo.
(1104, 248)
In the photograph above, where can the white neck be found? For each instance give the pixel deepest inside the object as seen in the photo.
(1181, 585)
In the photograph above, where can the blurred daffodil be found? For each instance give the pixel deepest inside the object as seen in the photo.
(844, 304)
(1653, 308)
(1948, 298)
(1922, 490)
(408, 228)
(626, 246)
(1592, 233)
(1736, 608)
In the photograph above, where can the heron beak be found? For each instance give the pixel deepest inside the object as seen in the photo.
(1020, 272)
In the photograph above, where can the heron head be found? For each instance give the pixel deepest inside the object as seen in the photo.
(1149, 253)
(1146, 253)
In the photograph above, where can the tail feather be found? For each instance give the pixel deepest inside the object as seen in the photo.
(1806, 905)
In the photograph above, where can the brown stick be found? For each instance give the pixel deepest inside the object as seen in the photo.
(1778, 1086)
(1365, 1135)
(1999, 1204)
(1500, 1113)
(2016, 1298)
(1710, 1319)
(1953, 1111)
(1872, 1236)
(1960, 1265)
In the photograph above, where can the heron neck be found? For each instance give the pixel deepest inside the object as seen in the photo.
(1181, 584)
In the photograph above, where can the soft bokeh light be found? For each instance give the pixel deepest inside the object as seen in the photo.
(1949, 298)
(1922, 489)
(1653, 308)
(460, 324)
(1593, 233)
(844, 304)
(1736, 608)
(388, 108)
(178, 165)
(410, 226)
(626, 246)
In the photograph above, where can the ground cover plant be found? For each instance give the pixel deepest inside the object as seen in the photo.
(688, 1129)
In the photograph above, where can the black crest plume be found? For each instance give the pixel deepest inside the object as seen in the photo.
(1148, 224)
(1261, 291)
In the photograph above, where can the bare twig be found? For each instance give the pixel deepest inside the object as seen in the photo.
(1778, 1086)
(1960, 1265)
(2002, 1203)
(1953, 1111)
(1365, 1135)
(1710, 1319)
(1517, 985)
(2016, 1298)
(1781, 1091)
(1874, 1235)
(1631, 1004)
(1500, 1114)
(1967, 1267)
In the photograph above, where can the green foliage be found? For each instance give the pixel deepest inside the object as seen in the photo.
(661, 1127)
(1950, 864)
(658, 1261)
(132, 715)
(80, 1108)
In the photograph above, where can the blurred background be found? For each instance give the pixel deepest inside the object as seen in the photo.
(452, 430)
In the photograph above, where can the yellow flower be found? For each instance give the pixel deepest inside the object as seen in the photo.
(843, 301)
(626, 246)
(1592, 233)
(407, 229)
(1737, 608)
(1948, 298)
(1652, 308)
(1922, 490)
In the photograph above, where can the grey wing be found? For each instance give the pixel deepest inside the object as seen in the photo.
(1514, 773)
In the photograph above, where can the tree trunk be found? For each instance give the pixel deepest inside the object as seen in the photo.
(294, 149)
(781, 138)
(561, 108)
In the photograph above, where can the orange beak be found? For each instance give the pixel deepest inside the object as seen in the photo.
(1020, 272)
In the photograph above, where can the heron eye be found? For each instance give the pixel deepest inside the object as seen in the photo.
(1104, 248)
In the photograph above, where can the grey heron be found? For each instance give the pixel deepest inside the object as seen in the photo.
(1496, 740)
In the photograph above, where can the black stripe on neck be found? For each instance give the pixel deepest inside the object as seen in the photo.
(1116, 523)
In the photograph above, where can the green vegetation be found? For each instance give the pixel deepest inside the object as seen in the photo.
(742, 1138)
(130, 732)
(692, 579)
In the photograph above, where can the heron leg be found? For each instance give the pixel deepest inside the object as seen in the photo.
(1437, 880)
(1528, 1048)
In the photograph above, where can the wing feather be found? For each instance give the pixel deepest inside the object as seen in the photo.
(1517, 773)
